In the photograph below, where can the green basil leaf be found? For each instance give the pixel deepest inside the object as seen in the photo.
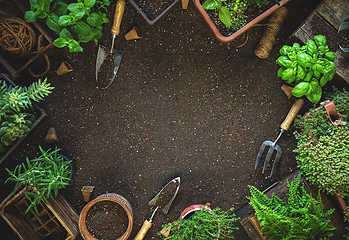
(30, 16)
(65, 20)
(315, 95)
(300, 72)
(292, 56)
(309, 76)
(285, 50)
(60, 42)
(74, 46)
(330, 56)
(106, 2)
(320, 40)
(304, 59)
(317, 74)
(300, 89)
(288, 75)
(311, 47)
(97, 34)
(225, 16)
(73, 6)
(324, 80)
(52, 22)
(296, 47)
(60, 8)
(279, 73)
(89, 3)
(65, 34)
(94, 20)
(78, 13)
(212, 4)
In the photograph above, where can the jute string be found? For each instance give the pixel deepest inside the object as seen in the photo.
(17, 37)
(270, 33)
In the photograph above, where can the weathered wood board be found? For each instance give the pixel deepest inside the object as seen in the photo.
(325, 20)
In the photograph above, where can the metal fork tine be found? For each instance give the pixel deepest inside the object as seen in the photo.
(277, 158)
(267, 159)
(260, 152)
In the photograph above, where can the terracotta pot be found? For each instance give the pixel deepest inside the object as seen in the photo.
(193, 208)
(189, 211)
(230, 38)
(113, 197)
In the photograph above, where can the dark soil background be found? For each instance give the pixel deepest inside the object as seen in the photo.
(182, 104)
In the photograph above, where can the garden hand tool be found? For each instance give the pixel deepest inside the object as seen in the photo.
(115, 30)
(156, 201)
(285, 125)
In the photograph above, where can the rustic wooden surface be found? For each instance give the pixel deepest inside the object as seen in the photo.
(325, 20)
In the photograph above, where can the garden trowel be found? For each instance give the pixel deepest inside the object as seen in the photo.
(117, 54)
(168, 192)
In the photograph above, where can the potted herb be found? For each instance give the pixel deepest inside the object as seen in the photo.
(17, 113)
(42, 176)
(202, 222)
(308, 67)
(300, 217)
(234, 17)
(81, 20)
(322, 147)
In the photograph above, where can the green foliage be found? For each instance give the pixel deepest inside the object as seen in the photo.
(300, 217)
(346, 219)
(204, 224)
(326, 162)
(233, 14)
(323, 154)
(47, 174)
(82, 20)
(16, 111)
(308, 67)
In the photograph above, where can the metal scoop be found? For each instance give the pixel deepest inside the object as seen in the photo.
(147, 223)
(285, 125)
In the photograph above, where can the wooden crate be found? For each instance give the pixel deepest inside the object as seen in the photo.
(15, 66)
(55, 221)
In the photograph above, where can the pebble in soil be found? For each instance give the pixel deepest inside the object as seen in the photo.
(107, 220)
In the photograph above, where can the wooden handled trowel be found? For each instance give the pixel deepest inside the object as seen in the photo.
(117, 54)
(162, 200)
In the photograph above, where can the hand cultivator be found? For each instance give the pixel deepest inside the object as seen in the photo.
(284, 126)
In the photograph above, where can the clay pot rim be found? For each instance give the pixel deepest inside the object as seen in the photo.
(230, 38)
(82, 219)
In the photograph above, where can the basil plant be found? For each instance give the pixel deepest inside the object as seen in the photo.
(308, 67)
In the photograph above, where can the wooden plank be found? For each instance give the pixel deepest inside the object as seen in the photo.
(330, 15)
(251, 231)
(338, 8)
(256, 224)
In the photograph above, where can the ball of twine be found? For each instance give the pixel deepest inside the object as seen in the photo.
(17, 37)
(270, 33)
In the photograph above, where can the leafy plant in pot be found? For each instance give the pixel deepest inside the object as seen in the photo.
(42, 176)
(202, 222)
(308, 67)
(82, 20)
(300, 217)
(323, 154)
(17, 114)
(230, 19)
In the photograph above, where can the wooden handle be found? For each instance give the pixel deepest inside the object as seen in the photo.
(296, 107)
(287, 90)
(145, 227)
(119, 12)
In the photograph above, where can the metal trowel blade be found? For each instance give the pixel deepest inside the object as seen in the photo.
(167, 206)
(101, 56)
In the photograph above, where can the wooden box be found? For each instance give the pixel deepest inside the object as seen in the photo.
(55, 221)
